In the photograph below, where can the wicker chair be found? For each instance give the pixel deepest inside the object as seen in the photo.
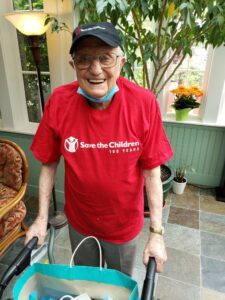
(13, 184)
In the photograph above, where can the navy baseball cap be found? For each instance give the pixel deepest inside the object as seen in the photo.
(102, 30)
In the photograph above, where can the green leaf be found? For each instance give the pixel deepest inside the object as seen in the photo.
(123, 5)
(220, 20)
(183, 6)
(100, 6)
(180, 32)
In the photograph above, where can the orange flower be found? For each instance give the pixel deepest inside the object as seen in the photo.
(194, 89)
(186, 97)
(182, 90)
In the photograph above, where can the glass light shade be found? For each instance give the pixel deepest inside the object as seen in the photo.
(29, 23)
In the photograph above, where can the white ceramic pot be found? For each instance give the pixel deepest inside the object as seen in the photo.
(178, 187)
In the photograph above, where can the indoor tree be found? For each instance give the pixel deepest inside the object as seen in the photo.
(156, 32)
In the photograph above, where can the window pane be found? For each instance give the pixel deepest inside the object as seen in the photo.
(21, 5)
(191, 72)
(37, 4)
(192, 68)
(32, 95)
(25, 5)
(26, 56)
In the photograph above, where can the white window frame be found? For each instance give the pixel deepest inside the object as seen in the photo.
(13, 103)
(167, 88)
(212, 109)
(214, 99)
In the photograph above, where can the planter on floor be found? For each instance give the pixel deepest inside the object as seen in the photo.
(179, 187)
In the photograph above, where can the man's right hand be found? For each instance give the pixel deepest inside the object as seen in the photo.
(38, 229)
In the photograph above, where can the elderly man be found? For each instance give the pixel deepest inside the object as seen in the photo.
(110, 133)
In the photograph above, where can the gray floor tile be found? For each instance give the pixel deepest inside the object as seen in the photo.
(212, 223)
(213, 274)
(138, 260)
(62, 238)
(182, 238)
(177, 267)
(169, 289)
(213, 245)
(184, 217)
(3, 268)
(139, 276)
(207, 294)
(187, 201)
(166, 211)
(62, 255)
(142, 240)
(192, 190)
(8, 257)
(210, 205)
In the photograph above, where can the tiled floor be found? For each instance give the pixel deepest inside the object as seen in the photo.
(195, 240)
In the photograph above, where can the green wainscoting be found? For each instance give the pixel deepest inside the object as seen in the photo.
(203, 147)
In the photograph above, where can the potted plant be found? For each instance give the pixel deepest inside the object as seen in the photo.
(185, 100)
(180, 181)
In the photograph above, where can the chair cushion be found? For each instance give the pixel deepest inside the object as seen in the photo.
(15, 216)
(10, 167)
(7, 194)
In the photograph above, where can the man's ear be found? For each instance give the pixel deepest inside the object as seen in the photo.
(71, 64)
(122, 62)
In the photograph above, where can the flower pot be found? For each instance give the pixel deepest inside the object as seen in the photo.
(182, 114)
(178, 187)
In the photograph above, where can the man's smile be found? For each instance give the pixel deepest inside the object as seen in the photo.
(96, 81)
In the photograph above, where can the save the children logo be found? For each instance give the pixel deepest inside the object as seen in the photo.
(71, 144)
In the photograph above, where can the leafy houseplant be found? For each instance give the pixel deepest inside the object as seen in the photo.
(157, 32)
(179, 180)
(185, 100)
(180, 174)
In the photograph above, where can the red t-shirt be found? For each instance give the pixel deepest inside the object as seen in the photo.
(104, 152)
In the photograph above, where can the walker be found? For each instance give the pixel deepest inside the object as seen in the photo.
(23, 260)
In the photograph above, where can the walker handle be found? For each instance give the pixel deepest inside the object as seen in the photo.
(19, 263)
(149, 282)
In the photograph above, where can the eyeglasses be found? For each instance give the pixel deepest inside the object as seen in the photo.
(106, 60)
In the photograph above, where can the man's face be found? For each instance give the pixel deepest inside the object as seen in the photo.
(96, 80)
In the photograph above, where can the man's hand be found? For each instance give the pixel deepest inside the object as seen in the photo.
(39, 229)
(155, 247)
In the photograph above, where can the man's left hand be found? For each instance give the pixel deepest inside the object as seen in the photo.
(155, 247)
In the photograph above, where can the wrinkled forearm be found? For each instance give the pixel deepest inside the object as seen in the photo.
(155, 246)
(46, 182)
(154, 192)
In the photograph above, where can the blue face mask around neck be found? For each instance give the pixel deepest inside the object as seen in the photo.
(100, 100)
